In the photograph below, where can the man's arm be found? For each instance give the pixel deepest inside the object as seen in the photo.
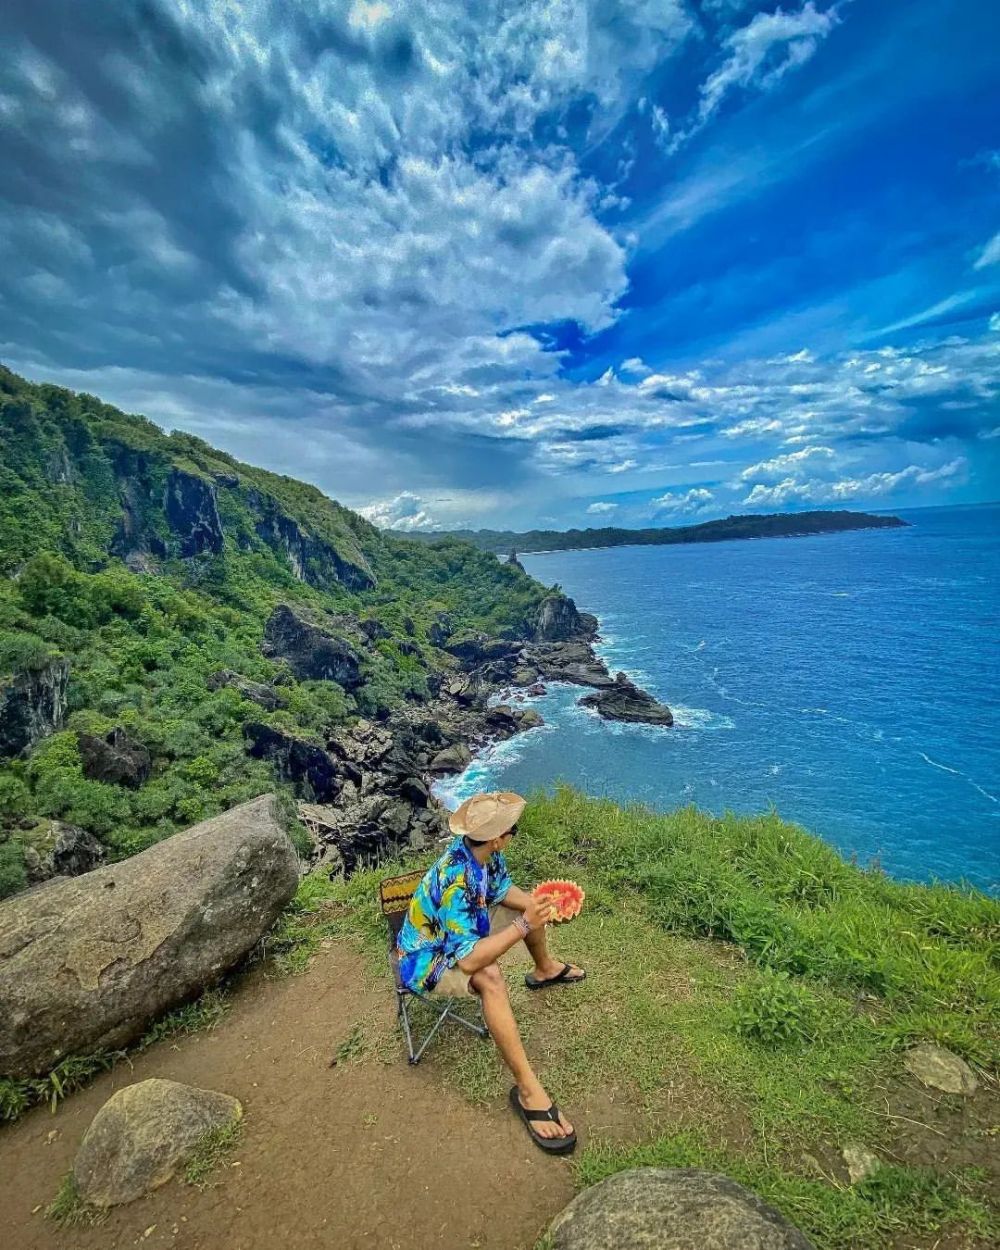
(537, 913)
(516, 899)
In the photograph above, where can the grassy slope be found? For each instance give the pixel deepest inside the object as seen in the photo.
(141, 646)
(740, 966)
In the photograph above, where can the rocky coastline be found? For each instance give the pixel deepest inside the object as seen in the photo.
(368, 793)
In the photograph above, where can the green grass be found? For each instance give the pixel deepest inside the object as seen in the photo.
(68, 1209)
(209, 1153)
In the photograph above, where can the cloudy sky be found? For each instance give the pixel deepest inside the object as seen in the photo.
(516, 262)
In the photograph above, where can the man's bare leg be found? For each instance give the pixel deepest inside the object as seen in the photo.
(545, 966)
(492, 989)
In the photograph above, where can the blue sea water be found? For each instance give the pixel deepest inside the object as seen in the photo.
(849, 680)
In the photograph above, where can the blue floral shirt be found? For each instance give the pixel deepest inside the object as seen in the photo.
(449, 913)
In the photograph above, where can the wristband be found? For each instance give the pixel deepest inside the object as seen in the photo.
(521, 925)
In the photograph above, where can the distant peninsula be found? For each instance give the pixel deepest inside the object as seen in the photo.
(772, 525)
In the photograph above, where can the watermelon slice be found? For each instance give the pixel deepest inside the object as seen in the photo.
(566, 895)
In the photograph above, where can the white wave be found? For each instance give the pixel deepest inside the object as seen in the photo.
(700, 718)
(965, 777)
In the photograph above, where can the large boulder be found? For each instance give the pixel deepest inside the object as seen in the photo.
(86, 963)
(672, 1209)
(116, 759)
(32, 706)
(625, 701)
(452, 759)
(311, 654)
(142, 1135)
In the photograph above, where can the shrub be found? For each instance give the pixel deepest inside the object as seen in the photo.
(13, 876)
(775, 1010)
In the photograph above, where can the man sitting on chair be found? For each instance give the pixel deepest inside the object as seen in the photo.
(464, 915)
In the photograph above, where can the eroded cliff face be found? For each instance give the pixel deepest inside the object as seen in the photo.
(32, 706)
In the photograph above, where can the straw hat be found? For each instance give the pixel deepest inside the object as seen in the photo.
(486, 816)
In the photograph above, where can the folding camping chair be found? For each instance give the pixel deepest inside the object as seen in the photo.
(394, 895)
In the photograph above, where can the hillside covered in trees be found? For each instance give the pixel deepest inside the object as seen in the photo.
(773, 525)
(139, 572)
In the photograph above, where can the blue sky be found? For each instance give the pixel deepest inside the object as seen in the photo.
(521, 264)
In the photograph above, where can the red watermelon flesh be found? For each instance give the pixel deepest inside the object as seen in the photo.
(566, 895)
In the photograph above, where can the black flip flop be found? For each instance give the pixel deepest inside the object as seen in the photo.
(551, 1145)
(561, 978)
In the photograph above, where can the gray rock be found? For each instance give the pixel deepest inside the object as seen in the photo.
(626, 702)
(266, 697)
(557, 620)
(313, 772)
(672, 1209)
(192, 512)
(115, 759)
(55, 849)
(87, 962)
(861, 1162)
(311, 654)
(451, 759)
(32, 706)
(142, 1135)
(940, 1068)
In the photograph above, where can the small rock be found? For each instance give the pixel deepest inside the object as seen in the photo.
(861, 1162)
(940, 1068)
(142, 1135)
(672, 1209)
(451, 759)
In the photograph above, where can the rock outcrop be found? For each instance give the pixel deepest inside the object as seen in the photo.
(311, 654)
(86, 963)
(54, 849)
(311, 770)
(192, 512)
(672, 1209)
(558, 620)
(115, 759)
(623, 700)
(312, 560)
(264, 696)
(143, 1135)
(32, 706)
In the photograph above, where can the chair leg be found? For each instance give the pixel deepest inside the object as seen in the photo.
(405, 1021)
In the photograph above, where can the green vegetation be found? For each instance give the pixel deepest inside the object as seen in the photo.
(90, 498)
(748, 997)
(771, 525)
(68, 1209)
(210, 1152)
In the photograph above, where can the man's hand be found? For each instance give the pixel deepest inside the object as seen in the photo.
(538, 912)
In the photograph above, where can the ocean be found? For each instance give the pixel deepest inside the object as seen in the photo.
(847, 680)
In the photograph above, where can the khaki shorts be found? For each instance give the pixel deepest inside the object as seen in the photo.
(454, 983)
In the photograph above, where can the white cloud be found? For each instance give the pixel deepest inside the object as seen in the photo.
(869, 486)
(758, 56)
(405, 512)
(990, 255)
(683, 503)
(600, 508)
(792, 462)
(623, 466)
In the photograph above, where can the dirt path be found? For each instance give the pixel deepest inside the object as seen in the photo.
(358, 1155)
